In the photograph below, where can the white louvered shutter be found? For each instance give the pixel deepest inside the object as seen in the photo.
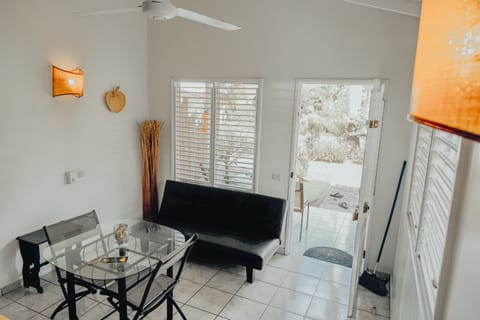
(419, 175)
(235, 134)
(216, 127)
(436, 209)
(192, 145)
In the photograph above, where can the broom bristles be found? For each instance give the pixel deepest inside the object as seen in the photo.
(373, 283)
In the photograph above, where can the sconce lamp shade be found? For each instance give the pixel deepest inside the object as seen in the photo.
(67, 82)
(446, 82)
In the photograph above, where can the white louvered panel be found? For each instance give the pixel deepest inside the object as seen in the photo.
(193, 109)
(235, 135)
(435, 210)
(420, 165)
(216, 133)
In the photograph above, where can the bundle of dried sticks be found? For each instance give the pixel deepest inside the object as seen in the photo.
(149, 142)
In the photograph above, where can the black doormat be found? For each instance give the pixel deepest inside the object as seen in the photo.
(332, 255)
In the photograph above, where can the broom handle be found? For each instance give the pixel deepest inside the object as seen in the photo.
(391, 213)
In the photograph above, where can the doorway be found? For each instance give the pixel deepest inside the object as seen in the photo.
(330, 148)
(336, 138)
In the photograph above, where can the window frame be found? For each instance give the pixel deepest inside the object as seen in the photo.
(258, 122)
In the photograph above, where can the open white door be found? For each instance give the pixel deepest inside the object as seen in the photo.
(367, 187)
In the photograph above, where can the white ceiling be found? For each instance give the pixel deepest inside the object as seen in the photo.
(405, 7)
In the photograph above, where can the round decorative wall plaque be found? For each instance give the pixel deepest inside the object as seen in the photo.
(115, 100)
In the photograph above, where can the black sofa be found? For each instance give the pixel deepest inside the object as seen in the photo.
(239, 227)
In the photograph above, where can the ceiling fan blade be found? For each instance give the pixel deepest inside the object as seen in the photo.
(110, 11)
(197, 17)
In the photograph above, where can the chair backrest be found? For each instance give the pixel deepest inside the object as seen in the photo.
(73, 227)
(179, 255)
(79, 227)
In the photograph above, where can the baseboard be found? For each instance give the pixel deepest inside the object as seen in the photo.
(10, 287)
(18, 283)
(281, 251)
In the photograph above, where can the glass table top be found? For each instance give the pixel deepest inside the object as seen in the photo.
(112, 250)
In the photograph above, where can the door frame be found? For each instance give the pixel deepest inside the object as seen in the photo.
(293, 149)
(379, 87)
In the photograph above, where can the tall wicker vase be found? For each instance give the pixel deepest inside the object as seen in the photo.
(149, 142)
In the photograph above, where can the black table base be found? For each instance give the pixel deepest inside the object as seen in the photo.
(72, 307)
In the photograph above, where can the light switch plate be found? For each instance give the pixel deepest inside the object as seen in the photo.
(71, 176)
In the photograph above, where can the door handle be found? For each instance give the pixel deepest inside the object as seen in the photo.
(366, 207)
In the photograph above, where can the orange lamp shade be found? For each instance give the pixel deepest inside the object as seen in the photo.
(67, 82)
(446, 82)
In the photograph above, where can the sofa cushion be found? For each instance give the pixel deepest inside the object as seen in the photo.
(250, 215)
(254, 253)
(249, 252)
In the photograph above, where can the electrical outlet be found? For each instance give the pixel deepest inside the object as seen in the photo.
(71, 176)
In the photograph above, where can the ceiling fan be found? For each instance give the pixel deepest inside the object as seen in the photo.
(165, 10)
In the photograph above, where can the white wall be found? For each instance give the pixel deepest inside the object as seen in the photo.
(281, 41)
(463, 287)
(42, 137)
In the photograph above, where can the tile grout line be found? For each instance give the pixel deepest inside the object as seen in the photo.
(203, 285)
(235, 294)
(269, 304)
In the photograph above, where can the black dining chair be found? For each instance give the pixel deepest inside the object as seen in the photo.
(81, 226)
(149, 293)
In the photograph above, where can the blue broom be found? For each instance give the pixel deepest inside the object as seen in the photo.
(370, 280)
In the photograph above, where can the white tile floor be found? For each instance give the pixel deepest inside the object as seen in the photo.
(289, 288)
(325, 228)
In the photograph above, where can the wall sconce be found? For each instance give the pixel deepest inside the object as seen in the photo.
(67, 82)
(446, 83)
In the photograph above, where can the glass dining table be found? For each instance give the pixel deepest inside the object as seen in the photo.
(116, 251)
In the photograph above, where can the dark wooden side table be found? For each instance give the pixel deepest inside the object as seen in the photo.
(29, 249)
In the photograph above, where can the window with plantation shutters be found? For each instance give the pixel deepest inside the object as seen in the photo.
(431, 194)
(192, 153)
(216, 129)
